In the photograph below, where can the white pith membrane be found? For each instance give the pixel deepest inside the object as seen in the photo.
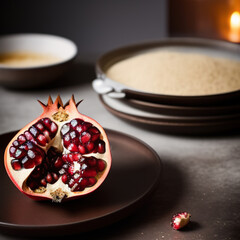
(58, 190)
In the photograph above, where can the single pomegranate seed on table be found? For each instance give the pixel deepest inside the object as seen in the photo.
(180, 220)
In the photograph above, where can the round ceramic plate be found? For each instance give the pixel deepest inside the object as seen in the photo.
(172, 124)
(124, 107)
(182, 110)
(189, 45)
(134, 175)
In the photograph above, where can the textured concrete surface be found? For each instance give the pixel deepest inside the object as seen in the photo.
(200, 174)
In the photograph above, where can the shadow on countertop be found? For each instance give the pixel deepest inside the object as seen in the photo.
(79, 73)
(160, 204)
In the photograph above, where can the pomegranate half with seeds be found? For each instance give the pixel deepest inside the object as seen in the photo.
(60, 155)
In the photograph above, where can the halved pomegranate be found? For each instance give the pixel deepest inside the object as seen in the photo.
(60, 155)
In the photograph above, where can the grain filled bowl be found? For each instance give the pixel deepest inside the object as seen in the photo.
(177, 71)
(30, 60)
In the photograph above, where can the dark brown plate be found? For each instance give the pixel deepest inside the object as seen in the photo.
(183, 110)
(205, 46)
(124, 107)
(134, 175)
(179, 125)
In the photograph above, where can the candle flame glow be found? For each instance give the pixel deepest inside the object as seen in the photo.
(235, 20)
(234, 34)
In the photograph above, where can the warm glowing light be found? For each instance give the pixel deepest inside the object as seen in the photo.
(234, 34)
(235, 20)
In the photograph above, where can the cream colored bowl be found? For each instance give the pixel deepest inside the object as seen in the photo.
(30, 60)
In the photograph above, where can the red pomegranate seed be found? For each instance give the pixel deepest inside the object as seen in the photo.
(83, 182)
(79, 129)
(46, 134)
(73, 135)
(12, 151)
(64, 178)
(91, 162)
(89, 173)
(55, 176)
(72, 147)
(91, 181)
(29, 136)
(70, 157)
(58, 163)
(47, 122)
(65, 129)
(101, 165)
(31, 154)
(75, 141)
(74, 123)
(71, 170)
(180, 220)
(27, 163)
(32, 184)
(93, 130)
(16, 165)
(38, 160)
(22, 139)
(95, 137)
(74, 187)
(19, 153)
(15, 143)
(36, 173)
(71, 183)
(43, 182)
(95, 133)
(76, 156)
(81, 149)
(85, 137)
(33, 131)
(42, 140)
(53, 127)
(39, 126)
(49, 178)
(65, 157)
(28, 145)
(76, 175)
(86, 126)
(101, 146)
(90, 146)
(66, 140)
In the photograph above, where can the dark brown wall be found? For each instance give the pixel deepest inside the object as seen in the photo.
(95, 25)
(201, 18)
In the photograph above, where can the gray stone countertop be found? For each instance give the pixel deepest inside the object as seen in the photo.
(200, 175)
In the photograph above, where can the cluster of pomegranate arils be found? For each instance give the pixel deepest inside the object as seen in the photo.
(63, 153)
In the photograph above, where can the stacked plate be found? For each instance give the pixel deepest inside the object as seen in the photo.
(168, 113)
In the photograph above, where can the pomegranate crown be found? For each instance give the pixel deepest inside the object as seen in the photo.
(59, 103)
(58, 109)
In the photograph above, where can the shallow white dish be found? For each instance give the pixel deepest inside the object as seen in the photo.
(30, 76)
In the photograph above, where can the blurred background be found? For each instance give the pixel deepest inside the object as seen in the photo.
(95, 26)
(99, 26)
